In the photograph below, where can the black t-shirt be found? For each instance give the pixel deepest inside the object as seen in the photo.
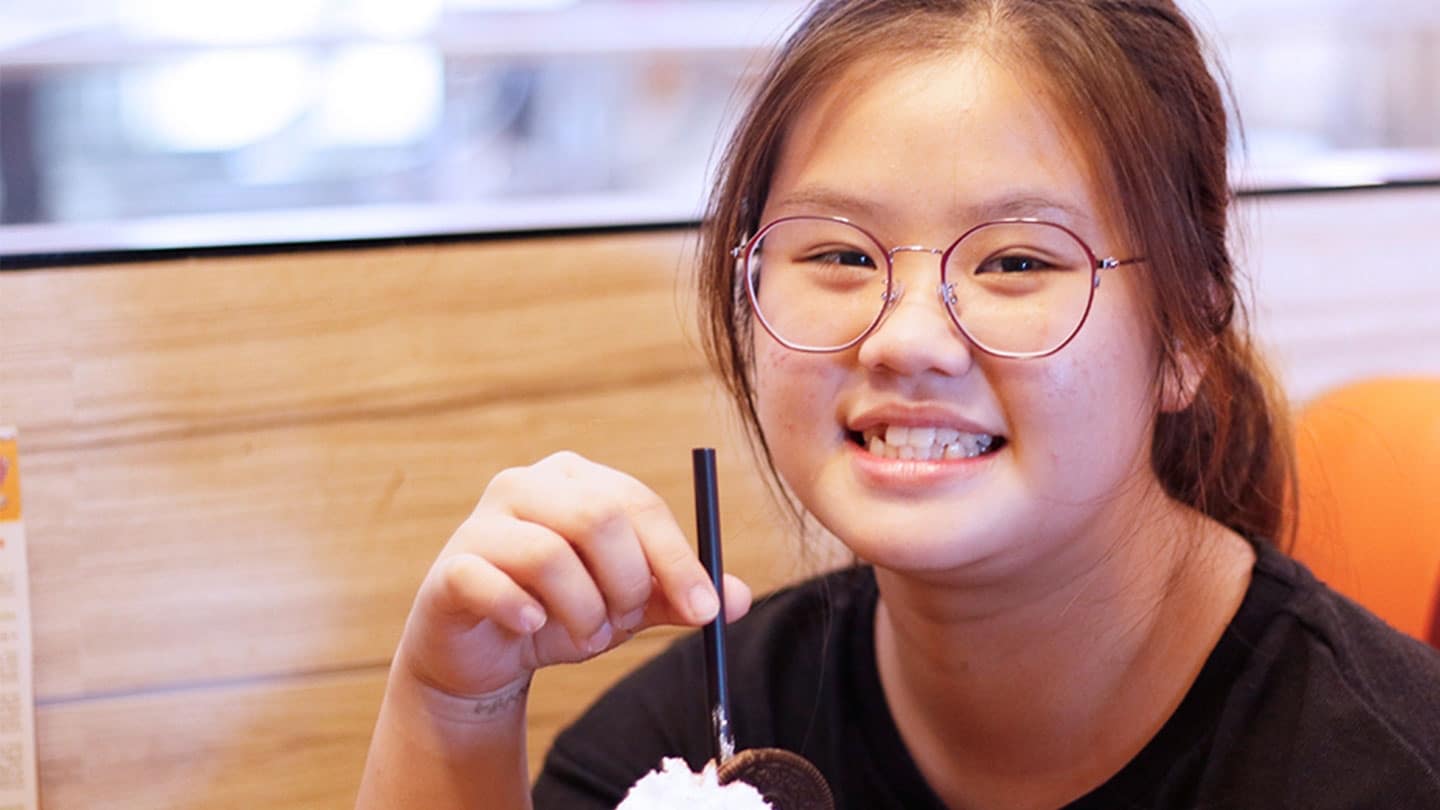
(1307, 701)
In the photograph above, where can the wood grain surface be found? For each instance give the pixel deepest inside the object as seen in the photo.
(238, 469)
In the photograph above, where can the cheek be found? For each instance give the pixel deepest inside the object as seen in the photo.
(793, 392)
(1090, 411)
(778, 395)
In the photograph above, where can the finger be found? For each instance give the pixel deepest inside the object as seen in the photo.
(738, 598)
(545, 564)
(661, 612)
(613, 555)
(472, 589)
(674, 560)
(583, 500)
(583, 503)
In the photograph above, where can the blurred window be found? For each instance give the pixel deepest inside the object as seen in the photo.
(172, 123)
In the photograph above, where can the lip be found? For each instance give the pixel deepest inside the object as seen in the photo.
(915, 475)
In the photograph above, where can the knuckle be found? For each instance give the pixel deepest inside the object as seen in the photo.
(633, 592)
(507, 481)
(540, 558)
(448, 574)
(672, 556)
(645, 505)
(456, 576)
(647, 502)
(565, 462)
(597, 516)
(478, 532)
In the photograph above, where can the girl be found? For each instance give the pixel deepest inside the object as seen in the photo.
(965, 274)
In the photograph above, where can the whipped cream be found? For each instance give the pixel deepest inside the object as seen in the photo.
(673, 785)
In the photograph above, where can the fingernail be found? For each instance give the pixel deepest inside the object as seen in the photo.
(600, 640)
(631, 620)
(532, 618)
(703, 603)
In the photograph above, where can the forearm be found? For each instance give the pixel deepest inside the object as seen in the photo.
(444, 753)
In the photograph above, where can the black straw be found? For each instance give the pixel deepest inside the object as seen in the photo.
(717, 676)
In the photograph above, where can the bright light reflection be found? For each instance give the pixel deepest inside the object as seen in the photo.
(379, 95)
(215, 102)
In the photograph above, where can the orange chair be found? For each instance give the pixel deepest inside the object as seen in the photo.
(1368, 458)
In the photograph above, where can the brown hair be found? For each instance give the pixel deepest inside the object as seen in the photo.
(1133, 78)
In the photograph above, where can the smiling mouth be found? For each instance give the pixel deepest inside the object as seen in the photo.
(925, 443)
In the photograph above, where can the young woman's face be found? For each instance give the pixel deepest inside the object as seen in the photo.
(917, 154)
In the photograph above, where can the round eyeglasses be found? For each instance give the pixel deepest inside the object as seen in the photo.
(1017, 288)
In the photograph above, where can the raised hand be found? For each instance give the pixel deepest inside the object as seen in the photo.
(560, 561)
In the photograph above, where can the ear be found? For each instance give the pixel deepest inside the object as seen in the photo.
(1180, 379)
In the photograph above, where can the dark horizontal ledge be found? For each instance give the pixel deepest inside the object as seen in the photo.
(20, 261)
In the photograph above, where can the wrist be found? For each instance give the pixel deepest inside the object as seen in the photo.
(457, 726)
(433, 749)
(497, 706)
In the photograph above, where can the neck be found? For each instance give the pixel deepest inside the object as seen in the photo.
(1011, 687)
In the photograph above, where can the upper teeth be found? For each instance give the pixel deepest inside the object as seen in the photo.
(925, 443)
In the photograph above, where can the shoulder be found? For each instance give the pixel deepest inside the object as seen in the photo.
(776, 652)
(1391, 674)
(1334, 699)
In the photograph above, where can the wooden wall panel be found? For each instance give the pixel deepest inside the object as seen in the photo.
(382, 331)
(238, 469)
(298, 549)
(293, 743)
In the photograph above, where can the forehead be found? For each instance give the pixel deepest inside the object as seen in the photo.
(948, 140)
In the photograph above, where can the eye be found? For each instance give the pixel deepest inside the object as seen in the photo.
(842, 256)
(1013, 263)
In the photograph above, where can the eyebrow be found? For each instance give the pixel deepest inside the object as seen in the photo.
(810, 199)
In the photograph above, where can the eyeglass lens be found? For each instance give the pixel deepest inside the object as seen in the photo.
(1012, 287)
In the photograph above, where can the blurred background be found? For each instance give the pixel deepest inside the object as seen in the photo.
(174, 123)
(240, 456)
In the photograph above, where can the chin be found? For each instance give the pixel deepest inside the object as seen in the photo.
(918, 538)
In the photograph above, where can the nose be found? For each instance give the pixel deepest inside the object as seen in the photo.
(916, 334)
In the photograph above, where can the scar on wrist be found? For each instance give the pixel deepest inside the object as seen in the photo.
(493, 705)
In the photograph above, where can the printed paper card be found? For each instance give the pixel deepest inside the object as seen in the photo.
(18, 783)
